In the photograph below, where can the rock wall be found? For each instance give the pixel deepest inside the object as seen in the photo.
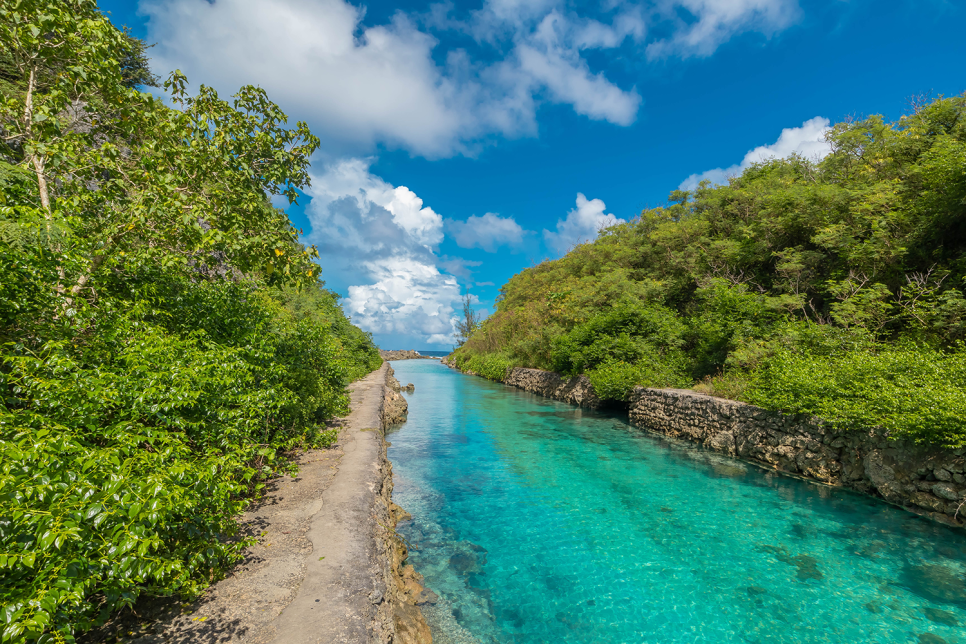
(576, 391)
(926, 480)
(394, 406)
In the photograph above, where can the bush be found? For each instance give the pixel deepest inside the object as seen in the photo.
(912, 392)
(127, 453)
(614, 380)
(492, 366)
(627, 333)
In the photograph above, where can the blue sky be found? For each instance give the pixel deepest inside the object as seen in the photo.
(465, 142)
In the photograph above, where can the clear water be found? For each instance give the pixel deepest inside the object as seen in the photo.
(539, 522)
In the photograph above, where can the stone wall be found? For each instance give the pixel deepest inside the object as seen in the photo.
(576, 391)
(928, 481)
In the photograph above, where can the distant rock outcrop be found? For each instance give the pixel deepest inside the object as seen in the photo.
(404, 355)
(577, 391)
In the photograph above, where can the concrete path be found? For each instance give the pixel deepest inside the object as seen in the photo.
(345, 574)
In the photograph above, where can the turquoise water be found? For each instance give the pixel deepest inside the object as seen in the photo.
(539, 522)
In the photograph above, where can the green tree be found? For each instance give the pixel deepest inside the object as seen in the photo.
(468, 322)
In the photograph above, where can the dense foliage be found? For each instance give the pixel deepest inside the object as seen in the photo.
(165, 341)
(833, 287)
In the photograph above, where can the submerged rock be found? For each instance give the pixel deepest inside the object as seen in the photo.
(427, 597)
(929, 638)
(940, 616)
(464, 563)
(935, 582)
(806, 564)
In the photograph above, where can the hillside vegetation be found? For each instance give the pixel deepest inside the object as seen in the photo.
(832, 288)
(165, 341)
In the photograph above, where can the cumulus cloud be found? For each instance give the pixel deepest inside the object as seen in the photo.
(487, 232)
(391, 83)
(807, 140)
(714, 22)
(582, 224)
(431, 83)
(377, 243)
(407, 297)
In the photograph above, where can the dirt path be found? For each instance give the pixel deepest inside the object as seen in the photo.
(317, 573)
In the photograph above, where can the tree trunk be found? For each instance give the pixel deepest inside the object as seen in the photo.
(36, 160)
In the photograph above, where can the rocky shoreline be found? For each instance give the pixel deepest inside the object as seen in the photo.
(928, 481)
(405, 592)
(408, 354)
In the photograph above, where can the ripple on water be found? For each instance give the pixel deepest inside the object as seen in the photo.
(536, 522)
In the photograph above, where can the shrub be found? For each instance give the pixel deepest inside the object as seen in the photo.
(912, 392)
(493, 366)
(614, 380)
(125, 454)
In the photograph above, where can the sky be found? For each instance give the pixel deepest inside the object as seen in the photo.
(463, 142)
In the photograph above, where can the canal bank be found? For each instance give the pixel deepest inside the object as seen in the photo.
(926, 480)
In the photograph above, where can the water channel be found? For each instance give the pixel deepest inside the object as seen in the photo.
(538, 522)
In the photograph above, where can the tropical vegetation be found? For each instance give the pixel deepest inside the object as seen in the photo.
(165, 340)
(831, 287)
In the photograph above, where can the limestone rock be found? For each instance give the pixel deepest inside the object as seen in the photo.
(404, 355)
(948, 492)
(577, 390)
(394, 406)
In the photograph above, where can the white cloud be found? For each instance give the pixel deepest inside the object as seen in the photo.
(408, 297)
(376, 242)
(714, 22)
(487, 232)
(410, 84)
(551, 57)
(359, 85)
(807, 140)
(582, 224)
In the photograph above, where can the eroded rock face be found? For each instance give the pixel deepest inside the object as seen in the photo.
(399, 618)
(394, 408)
(577, 391)
(920, 478)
